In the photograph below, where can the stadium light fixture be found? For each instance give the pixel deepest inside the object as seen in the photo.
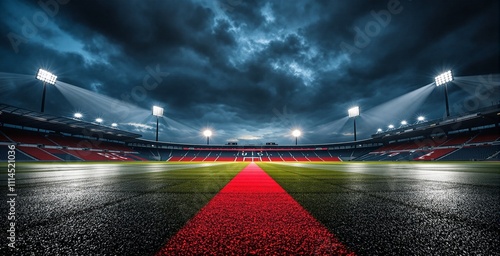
(420, 119)
(114, 124)
(354, 112)
(47, 78)
(98, 120)
(296, 134)
(444, 79)
(379, 130)
(390, 127)
(403, 123)
(158, 112)
(207, 134)
(78, 115)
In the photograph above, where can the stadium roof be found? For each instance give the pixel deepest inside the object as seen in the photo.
(27, 118)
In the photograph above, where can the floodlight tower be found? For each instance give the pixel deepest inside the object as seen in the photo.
(158, 112)
(296, 134)
(354, 112)
(78, 115)
(47, 78)
(443, 79)
(207, 134)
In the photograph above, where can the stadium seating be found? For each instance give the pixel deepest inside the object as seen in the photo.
(61, 154)
(435, 154)
(39, 153)
(486, 136)
(227, 156)
(3, 138)
(89, 155)
(20, 156)
(27, 137)
(456, 140)
(475, 154)
(41, 146)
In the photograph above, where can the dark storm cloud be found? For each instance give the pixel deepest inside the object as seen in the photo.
(251, 70)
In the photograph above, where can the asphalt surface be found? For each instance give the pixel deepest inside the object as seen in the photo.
(403, 209)
(382, 209)
(104, 209)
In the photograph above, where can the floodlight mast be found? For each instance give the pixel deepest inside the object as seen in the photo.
(443, 79)
(157, 111)
(296, 134)
(46, 77)
(354, 112)
(207, 134)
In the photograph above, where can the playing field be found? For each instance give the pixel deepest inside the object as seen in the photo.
(247, 208)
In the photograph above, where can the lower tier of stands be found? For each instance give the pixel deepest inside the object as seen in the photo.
(24, 153)
(478, 153)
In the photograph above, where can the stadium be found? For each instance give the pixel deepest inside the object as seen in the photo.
(98, 165)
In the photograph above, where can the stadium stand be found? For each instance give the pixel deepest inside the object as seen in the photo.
(456, 140)
(474, 154)
(20, 156)
(485, 136)
(435, 154)
(66, 140)
(3, 138)
(39, 154)
(61, 154)
(27, 137)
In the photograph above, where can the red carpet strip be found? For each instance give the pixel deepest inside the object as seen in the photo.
(253, 215)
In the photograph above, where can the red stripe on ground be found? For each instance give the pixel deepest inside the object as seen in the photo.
(253, 214)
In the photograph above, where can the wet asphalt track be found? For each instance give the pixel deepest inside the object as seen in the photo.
(112, 209)
(100, 209)
(408, 209)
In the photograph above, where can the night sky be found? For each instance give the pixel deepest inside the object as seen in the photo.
(251, 71)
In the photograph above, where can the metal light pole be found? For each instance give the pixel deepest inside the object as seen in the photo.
(207, 134)
(354, 112)
(443, 79)
(158, 112)
(296, 134)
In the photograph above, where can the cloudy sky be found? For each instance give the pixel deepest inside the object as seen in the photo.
(252, 71)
